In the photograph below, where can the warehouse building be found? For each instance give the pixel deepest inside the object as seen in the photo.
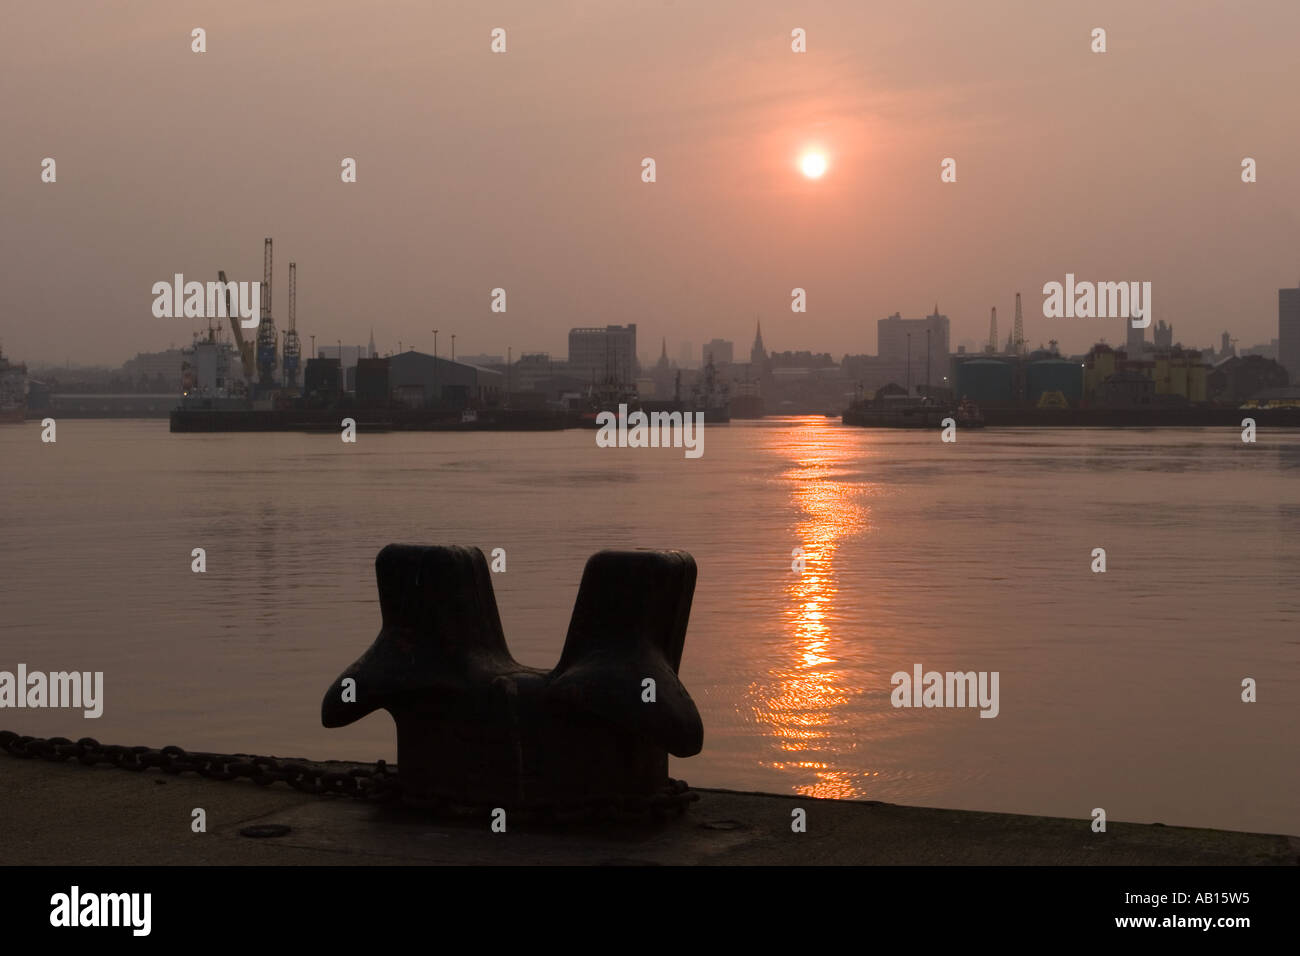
(421, 380)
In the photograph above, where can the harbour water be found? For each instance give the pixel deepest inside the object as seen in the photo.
(1119, 690)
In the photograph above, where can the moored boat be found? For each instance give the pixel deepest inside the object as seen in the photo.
(969, 415)
(13, 390)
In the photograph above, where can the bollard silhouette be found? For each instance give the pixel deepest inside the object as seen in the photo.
(474, 726)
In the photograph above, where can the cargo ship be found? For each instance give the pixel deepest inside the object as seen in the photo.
(13, 390)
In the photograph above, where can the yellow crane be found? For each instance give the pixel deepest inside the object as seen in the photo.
(246, 358)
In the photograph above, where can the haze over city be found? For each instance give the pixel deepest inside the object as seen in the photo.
(574, 433)
(522, 171)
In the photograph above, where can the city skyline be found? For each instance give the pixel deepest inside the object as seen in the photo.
(678, 347)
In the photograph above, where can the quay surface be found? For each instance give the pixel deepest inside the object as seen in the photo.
(65, 814)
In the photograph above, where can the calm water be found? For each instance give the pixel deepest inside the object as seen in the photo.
(1118, 690)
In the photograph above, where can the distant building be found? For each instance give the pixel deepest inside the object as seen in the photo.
(1100, 363)
(901, 341)
(322, 381)
(1226, 348)
(1164, 335)
(531, 370)
(347, 355)
(870, 372)
(599, 354)
(802, 359)
(485, 361)
(1180, 374)
(721, 351)
(371, 382)
(163, 368)
(1135, 340)
(418, 379)
(1110, 377)
(1240, 378)
(1288, 331)
(1126, 389)
(1268, 351)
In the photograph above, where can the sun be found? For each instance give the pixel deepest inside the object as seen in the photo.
(813, 165)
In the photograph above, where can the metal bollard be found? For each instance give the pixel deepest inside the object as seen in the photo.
(475, 726)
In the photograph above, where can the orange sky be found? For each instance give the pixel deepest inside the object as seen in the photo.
(522, 170)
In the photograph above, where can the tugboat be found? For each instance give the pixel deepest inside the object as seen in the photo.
(13, 390)
(969, 415)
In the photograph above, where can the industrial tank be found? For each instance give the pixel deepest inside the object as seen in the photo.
(985, 381)
(1054, 375)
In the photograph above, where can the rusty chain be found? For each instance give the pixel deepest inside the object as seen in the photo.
(370, 783)
(376, 782)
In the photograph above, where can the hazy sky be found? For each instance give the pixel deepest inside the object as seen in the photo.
(523, 170)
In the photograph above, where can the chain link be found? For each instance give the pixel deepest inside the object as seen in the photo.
(370, 782)
(376, 782)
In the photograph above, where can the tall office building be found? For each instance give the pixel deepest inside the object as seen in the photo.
(721, 351)
(597, 355)
(1288, 331)
(892, 344)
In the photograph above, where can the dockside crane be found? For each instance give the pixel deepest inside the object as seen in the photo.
(245, 348)
(292, 347)
(266, 337)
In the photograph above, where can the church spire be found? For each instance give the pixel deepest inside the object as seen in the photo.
(758, 354)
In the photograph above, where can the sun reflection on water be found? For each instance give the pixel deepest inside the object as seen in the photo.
(800, 703)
